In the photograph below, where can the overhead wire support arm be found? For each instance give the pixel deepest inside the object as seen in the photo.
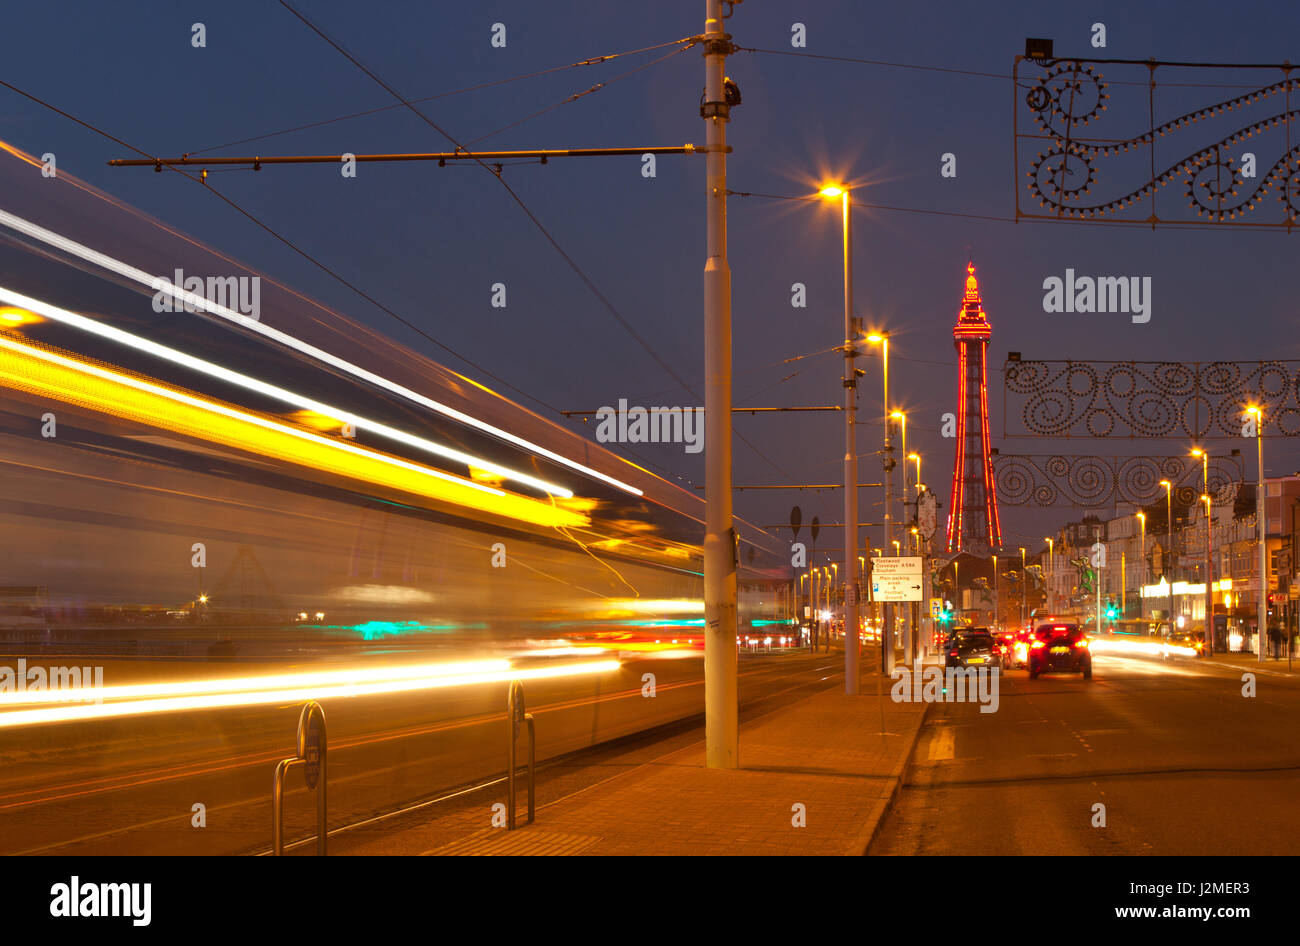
(258, 161)
(734, 410)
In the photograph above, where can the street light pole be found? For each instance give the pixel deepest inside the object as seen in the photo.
(851, 645)
(1024, 589)
(721, 707)
(997, 613)
(1261, 531)
(1209, 578)
(1169, 552)
(887, 630)
(1097, 573)
(1051, 570)
(907, 625)
(1142, 551)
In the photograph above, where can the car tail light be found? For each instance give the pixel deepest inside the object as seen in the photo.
(1036, 645)
(953, 653)
(1083, 642)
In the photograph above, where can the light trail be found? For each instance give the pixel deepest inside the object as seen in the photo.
(156, 284)
(177, 704)
(301, 401)
(280, 681)
(1108, 645)
(50, 374)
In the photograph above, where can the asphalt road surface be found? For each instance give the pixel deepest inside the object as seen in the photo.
(1182, 762)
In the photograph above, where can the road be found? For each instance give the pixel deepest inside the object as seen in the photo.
(1182, 762)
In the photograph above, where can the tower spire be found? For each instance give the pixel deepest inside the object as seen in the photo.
(973, 523)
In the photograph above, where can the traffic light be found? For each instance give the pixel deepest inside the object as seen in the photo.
(1111, 611)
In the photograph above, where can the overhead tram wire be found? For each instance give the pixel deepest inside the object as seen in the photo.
(285, 240)
(578, 95)
(979, 74)
(586, 280)
(594, 60)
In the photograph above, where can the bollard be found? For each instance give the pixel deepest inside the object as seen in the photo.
(515, 714)
(311, 747)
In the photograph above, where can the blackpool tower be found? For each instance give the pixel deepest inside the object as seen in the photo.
(973, 525)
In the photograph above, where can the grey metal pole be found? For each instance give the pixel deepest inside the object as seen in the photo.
(1209, 574)
(1169, 552)
(907, 606)
(1097, 573)
(851, 675)
(1261, 523)
(1142, 597)
(1024, 589)
(721, 721)
(887, 631)
(997, 585)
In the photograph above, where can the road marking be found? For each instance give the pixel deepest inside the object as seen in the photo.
(943, 745)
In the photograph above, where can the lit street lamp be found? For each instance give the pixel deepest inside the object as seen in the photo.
(1142, 608)
(908, 627)
(1260, 521)
(1169, 552)
(887, 633)
(851, 645)
(1209, 577)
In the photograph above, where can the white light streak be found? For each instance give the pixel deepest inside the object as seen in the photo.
(195, 301)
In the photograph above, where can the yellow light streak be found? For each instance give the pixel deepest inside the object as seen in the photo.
(146, 279)
(64, 378)
(12, 316)
(311, 413)
(263, 682)
(60, 714)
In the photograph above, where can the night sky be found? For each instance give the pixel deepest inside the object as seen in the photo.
(430, 242)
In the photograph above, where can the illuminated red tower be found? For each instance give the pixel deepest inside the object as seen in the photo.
(973, 524)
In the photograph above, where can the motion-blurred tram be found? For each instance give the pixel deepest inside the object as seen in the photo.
(177, 466)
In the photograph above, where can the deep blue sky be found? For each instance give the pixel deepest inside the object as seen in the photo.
(430, 242)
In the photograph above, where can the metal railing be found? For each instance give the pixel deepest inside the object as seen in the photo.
(312, 755)
(515, 715)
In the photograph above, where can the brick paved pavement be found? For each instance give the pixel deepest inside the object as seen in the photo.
(828, 753)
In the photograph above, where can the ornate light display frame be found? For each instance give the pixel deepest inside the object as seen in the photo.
(1091, 481)
(1104, 145)
(1148, 399)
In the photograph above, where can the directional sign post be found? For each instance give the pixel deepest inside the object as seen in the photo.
(896, 578)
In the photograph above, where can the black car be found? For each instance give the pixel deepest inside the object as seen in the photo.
(1059, 648)
(973, 647)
